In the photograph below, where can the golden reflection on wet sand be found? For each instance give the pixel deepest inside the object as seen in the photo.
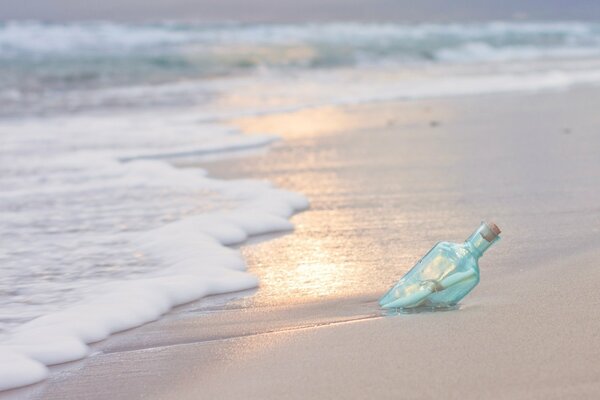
(347, 243)
(328, 120)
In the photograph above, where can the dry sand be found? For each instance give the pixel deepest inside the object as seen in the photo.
(386, 181)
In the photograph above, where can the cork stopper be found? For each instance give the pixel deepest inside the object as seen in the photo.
(490, 231)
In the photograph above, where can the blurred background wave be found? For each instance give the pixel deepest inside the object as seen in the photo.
(40, 60)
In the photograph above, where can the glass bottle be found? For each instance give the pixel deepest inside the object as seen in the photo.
(446, 274)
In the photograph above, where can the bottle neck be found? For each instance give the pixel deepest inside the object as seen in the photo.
(480, 241)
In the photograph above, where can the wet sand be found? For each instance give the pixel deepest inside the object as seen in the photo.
(386, 181)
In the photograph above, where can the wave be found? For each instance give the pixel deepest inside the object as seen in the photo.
(101, 234)
(108, 37)
(107, 53)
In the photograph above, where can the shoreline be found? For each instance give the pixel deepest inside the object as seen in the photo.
(194, 246)
(375, 209)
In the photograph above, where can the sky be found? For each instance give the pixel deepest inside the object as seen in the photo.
(299, 10)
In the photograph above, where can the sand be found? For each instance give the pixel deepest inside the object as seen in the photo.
(386, 181)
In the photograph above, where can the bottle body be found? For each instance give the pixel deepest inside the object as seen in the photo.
(446, 274)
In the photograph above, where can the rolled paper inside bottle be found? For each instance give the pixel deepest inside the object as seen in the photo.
(456, 278)
(417, 298)
(412, 300)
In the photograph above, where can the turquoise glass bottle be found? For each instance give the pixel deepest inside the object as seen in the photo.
(446, 274)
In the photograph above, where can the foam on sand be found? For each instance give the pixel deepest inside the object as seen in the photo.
(200, 264)
(93, 196)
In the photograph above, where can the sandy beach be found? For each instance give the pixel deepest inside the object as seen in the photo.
(386, 181)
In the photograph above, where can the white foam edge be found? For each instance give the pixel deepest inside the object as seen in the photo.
(199, 264)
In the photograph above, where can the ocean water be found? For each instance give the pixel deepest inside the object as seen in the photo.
(47, 68)
(100, 232)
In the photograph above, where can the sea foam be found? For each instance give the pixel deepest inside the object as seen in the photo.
(91, 198)
(199, 264)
